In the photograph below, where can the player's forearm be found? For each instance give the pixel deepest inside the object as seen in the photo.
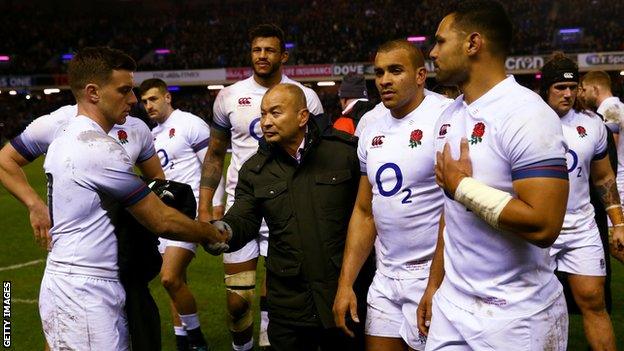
(610, 198)
(179, 227)
(212, 169)
(436, 272)
(14, 180)
(360, 241)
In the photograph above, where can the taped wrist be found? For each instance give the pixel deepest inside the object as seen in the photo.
(483, 200)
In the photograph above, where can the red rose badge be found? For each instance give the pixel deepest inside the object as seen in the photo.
(415, 138)
(582, 132)
(171, 132)
(122, 136)
(477, 133)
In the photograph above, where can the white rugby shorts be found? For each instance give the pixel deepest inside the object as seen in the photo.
(391, 311)
(165, 243)
(580, 252)
(83, 313)
(252, 249)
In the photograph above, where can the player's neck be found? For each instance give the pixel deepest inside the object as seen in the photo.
(95, 115)
(167, 115)
(482, 79)
(271, 81)
(405, 110)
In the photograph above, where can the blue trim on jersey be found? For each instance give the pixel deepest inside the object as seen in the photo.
(201, 145)
(136, 196)
(613, 127)
(20, 146)
(552, 168)
(363, 173)
(600, 155)
(147, 156)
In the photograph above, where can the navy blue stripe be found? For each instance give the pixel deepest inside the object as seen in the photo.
(548, 162)
(600, 156)
(613, 127)
(220, 127)
(202, 144)
(147, 157)
(136, 196)
(539, 172)
(19, 145)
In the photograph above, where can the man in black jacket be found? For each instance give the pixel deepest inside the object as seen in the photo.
(303, 183)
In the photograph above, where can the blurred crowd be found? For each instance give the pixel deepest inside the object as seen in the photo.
(205, 34)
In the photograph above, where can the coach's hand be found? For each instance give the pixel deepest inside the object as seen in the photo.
(450, 172)
(40, 223)
(423, 313)
(345, 302)
(221, 246)
(616, 244)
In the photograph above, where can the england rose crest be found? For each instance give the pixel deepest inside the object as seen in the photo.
(477, 133)
(415, 138)
(122, 136)
(171, 133)
(582, 132)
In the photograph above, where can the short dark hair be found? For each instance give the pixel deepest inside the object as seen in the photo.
(152, 83)
(489, 18)
(268, 31)
(416, 56)
(96, 65)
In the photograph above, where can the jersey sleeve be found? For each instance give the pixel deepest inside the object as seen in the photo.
(314, 103)
(532, 139)
(112, 173)
(147, 143)
(36, 138)
(362, 152)
(198, 136)
(614, 117)
(220, 116)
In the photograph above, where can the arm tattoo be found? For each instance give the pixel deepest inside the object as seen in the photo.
(608, 193)
(211, 175)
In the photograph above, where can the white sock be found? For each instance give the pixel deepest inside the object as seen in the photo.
(190, 321)
(248, 346)
(264, 320)
(179, 331)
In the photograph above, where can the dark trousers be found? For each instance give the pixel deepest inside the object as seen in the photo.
(288, 337)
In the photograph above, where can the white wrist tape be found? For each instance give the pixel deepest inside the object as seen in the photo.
(485, 201)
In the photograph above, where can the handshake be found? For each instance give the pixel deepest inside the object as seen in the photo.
(219, 247)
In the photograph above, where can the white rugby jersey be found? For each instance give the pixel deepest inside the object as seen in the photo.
(586, 137)
(612, 110)
(513, 134)
(134, 135)
(237, 111)
(89, 176)
(398, 157)
(370, 115)
(181, 143)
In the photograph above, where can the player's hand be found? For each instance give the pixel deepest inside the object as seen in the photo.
(221, 245)
(616, 243)
(423, 313)
(218, 212)
(345, 302)
(40, 223)
(449, 172)
(204, 216)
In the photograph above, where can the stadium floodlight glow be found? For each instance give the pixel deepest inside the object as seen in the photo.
(326, 84)
(622, 73)
(417, 39)
(173, 88)
(162, 51)
(216, 87)
(538, 76)
(51, 91)
(67, 57)
(13, 92)
(289, 45)
(569, 30)
(5, 58)
(27, 96)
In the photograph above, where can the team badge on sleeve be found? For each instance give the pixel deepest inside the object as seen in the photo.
(415, 138)
(477, 133)
(581, 130)
(171, 133)
(122, 136)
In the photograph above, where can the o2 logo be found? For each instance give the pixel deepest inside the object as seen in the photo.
(572, 157)
(254, 129)
(164, 158)
(398, 175)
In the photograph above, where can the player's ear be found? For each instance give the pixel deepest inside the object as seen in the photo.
(474, 44)
(168, 97)
(92, 92)
(421, 75)
(304, 116)
(285, 56)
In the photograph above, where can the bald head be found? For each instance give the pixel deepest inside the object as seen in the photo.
(416, 57)
(288, 93)
(284, 116)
